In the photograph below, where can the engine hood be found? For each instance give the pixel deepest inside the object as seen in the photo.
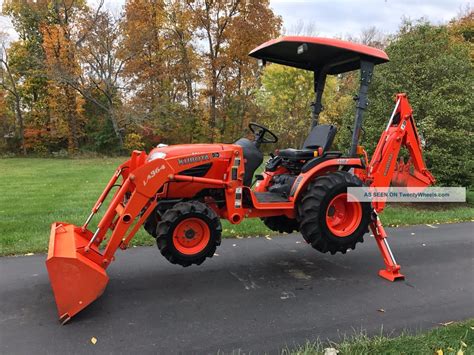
(177, 150)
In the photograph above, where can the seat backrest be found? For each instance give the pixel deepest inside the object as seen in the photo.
(320, 136)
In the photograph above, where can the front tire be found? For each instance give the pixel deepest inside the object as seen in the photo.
(327, 220)
(188, 233)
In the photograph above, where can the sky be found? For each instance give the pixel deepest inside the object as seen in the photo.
(339, 18)
(333, 18)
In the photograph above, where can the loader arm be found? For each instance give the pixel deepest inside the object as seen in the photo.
(385, 167)
(77, 260)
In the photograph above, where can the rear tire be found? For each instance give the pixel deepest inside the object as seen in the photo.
(281, 224)
(188, 233)
(327, 221)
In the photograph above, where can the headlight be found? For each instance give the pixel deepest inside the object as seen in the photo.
(156, 155)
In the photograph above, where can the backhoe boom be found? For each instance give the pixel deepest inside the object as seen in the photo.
(385, 167)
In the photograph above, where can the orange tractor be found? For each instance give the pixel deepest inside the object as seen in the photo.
(179, 193)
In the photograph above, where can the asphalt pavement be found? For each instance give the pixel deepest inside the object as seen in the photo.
(255, 294)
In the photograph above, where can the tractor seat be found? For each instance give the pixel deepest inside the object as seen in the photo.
(296, 154)
(321, 136)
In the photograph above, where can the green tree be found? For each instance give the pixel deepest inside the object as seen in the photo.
(9, 84)
(42, 58)
(26, 61)
(285, 98)
(434, 67)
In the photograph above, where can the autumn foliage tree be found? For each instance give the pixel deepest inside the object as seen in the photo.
(189, 66)
(103, 59)
(60, 63)
(79, 78)
(229, 30)
(162, 69)
(25, 59)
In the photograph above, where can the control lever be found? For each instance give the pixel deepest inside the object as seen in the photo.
(258, 177)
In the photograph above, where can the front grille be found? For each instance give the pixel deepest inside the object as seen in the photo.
(197, 171)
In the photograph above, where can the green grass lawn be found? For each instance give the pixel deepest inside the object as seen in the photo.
(453, 339)
(36, 192)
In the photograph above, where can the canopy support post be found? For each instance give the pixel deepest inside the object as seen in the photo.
(316, 106)
(366, 70)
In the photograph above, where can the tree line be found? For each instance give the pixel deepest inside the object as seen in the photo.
(170, 70)
(82, 79)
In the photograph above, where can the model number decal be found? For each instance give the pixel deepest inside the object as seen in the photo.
(387, 166)
(193, 159)
(153, 174)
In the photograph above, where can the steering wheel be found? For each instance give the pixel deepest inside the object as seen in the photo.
(260, 131)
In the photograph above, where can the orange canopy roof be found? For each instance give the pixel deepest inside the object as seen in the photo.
(314, 53)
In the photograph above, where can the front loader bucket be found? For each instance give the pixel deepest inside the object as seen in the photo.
(76, 280)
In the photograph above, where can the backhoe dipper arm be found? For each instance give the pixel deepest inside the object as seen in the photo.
(384, 167)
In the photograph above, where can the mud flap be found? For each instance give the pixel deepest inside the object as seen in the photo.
(76, 280)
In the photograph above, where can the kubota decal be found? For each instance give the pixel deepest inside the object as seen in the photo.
(193, 159)
(152, 174)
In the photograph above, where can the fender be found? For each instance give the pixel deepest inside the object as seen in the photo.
(303, 179)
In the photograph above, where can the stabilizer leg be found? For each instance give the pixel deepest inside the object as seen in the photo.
(392, 269)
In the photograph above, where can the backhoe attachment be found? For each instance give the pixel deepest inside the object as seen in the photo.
(385, 170)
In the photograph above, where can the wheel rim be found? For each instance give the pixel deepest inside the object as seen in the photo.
(343, 217)
(191, 236)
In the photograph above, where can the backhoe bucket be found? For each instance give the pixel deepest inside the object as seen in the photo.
(76, 280)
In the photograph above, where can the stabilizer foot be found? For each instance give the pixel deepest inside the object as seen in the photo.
(391, 275)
